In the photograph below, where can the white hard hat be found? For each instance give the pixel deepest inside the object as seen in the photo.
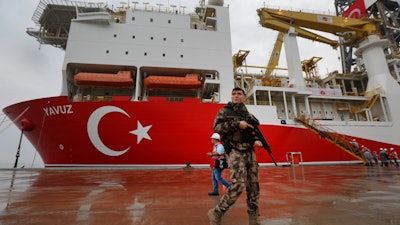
(216, 136)
(391, 149)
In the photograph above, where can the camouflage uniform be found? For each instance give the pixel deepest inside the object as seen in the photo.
(241, 159)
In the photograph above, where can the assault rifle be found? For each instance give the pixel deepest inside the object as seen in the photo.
(264, 142)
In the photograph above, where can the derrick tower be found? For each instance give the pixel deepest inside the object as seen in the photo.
(388, 11)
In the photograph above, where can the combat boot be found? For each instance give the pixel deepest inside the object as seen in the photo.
(254, 218)
(215, 216)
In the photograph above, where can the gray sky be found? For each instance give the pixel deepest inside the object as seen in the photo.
(32, 71)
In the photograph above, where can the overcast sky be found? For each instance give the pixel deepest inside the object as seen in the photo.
(31, 71)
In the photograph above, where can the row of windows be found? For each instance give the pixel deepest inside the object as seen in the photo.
(151, 20)
(145, 53)
(151, 38)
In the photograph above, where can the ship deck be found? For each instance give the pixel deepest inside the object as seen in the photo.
(298, 195)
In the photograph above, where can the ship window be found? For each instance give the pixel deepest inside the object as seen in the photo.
(126, 52)
(133, 36)
(107, 51)
(151, 38)
(133, 18)
(181, 40)
(169, 21)
(115, 35)
(211, 23)
(151, 19)
(145, 53)
(163, 54)
(181, 56)
(165, 39)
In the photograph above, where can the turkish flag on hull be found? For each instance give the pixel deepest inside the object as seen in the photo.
(357, 10)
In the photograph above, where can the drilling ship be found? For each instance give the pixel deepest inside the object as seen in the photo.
(142, 86)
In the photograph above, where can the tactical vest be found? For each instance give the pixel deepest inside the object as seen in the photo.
(239, 135)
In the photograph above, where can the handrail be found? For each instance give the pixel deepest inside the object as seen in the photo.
(340, 140)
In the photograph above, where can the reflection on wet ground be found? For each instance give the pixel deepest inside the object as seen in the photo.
(310, 195)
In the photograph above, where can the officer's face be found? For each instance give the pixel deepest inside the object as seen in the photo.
(238, 96)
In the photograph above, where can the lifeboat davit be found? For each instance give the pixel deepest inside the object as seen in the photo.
(122, 79)
(188, 82)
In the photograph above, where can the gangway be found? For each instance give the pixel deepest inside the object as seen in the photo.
(340, 140)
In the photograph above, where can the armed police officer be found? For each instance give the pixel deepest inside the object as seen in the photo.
(239, 141)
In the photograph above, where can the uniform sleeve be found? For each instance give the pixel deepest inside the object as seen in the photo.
(224, 123)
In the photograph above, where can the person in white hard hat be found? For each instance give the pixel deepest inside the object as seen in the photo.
(394, 155)
(355, 145)
(367, 156)
(384, 157)
(216, 174)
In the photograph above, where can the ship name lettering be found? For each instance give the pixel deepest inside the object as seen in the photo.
(58, 109)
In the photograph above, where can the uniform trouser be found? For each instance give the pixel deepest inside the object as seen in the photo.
(244, 174)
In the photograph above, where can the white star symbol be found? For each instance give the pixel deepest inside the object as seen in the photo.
(141, 132)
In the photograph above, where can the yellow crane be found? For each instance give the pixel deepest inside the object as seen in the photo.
(352, 30)
(309, 66)
(275, 55)
(239, 59)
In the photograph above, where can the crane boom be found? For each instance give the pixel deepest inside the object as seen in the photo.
(352, 30)
(275, 55)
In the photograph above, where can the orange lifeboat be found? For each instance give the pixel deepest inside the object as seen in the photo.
(188, 82)
(122, 79)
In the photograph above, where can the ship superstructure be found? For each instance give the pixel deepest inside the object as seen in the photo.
(142, 36)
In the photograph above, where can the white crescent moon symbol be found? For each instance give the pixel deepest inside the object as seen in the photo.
(354, 11)
(93, 129)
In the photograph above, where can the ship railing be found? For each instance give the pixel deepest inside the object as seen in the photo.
(322, 12)
(159, 8)
(341, 140)
(44, 3)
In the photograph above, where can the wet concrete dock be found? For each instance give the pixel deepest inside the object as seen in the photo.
(309, 195)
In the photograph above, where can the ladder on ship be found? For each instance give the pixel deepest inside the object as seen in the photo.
(340, 140)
